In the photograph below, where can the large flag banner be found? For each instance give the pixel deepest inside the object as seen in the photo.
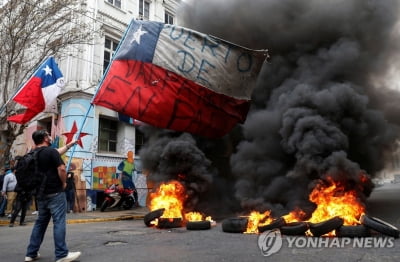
(40, 92)
(176, 78)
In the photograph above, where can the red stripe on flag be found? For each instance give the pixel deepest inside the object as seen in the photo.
(30, 96)
(164, 99)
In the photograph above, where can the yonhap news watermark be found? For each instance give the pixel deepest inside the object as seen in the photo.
(271, 241)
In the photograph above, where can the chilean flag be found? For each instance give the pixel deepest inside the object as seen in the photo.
(40, 92)
(176, 78)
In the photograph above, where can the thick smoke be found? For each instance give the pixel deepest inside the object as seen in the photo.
(169, 158)
(319, 108)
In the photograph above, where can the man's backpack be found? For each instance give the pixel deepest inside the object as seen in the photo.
(29, 178)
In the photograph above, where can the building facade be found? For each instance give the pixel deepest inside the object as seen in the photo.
(104, 138)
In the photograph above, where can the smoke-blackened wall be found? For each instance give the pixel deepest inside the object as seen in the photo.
(320, 108)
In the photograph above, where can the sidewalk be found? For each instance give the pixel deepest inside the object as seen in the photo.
(88, 217)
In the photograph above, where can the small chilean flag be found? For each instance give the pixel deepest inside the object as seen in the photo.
(176, 78)
(39, 92)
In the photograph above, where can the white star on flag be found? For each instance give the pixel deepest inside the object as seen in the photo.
(138, 34)
(48, 70)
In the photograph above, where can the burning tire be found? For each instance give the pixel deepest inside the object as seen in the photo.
(151, 216)
(198, 225)
(277, 223)
(234, 225)
(169, 222)
(379, 226)
(294, 228)
(319, 229)
(353, 231)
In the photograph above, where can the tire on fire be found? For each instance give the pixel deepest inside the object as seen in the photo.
(234, 225)
(198, 225)
(379, 226)
(277, 223)
(353, 231)
(294, 228)
(164, 222)
(151, 216)
(322, 228)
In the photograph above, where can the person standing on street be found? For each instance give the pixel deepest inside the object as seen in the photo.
(8, 191)
(70, 192)
(21, 204)
(51, 202)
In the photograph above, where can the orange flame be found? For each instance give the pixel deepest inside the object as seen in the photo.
(296, 215)
(169, 196)
(256, 219)
(333, 200)
(196, 216)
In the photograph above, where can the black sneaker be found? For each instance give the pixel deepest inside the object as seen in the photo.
(11, 225)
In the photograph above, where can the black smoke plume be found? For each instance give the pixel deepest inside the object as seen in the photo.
(323, 105)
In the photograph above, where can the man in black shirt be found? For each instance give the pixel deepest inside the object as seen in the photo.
(52, 203)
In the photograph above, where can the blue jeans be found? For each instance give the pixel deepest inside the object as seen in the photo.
(3, 203)
(70, 199)
(52, 207)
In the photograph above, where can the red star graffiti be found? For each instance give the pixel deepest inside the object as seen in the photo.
(70, 135)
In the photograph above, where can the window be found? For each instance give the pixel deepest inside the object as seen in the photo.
(109, 48)
(144, 10)
(168, 18)
(116, 3)
(108, 130)
(139, 140)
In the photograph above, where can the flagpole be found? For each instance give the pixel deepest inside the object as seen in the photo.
(19, 89)
(96, 91)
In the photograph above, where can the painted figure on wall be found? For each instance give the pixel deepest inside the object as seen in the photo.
(127, 167)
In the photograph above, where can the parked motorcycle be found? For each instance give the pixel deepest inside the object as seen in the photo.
(116, 196)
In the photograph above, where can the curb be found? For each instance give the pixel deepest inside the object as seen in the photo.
(93, 220)
(88, 220)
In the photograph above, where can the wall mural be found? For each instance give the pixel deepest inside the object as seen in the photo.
(96, 172)
(105, 173)
(93, 172)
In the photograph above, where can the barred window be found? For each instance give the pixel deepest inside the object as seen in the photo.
(108, 130)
